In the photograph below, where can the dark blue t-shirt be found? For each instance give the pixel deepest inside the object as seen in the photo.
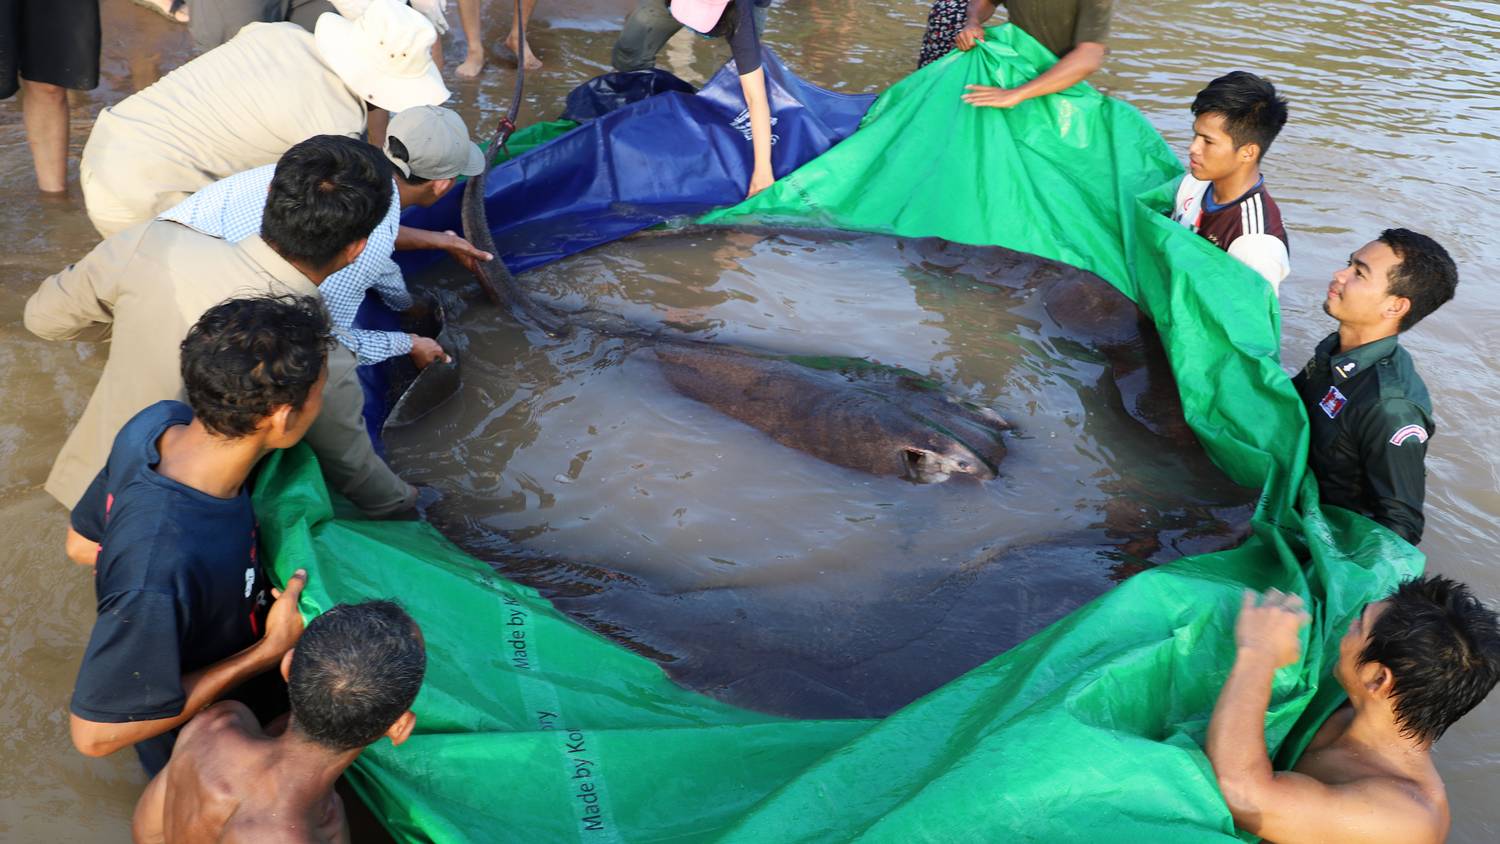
(177, 581)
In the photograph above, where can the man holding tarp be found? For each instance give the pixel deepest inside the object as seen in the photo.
(1074, 30)
(1412, 664)
(1370, 412)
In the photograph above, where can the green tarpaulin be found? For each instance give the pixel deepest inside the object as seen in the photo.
(531, 728)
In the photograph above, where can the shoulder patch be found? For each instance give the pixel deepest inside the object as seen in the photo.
(1407, 432)
(1333, 401)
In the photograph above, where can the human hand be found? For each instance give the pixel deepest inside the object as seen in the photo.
(760, 180)
(969, 36)
(425, 351)
(464, 252)
(990, 96)
(80, 549)
(435, 11)
(1268, 625)
(284, 621)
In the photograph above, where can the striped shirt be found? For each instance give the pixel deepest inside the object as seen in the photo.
(1249, 227)
(231, 209)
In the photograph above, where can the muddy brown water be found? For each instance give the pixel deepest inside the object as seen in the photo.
(1395, 122)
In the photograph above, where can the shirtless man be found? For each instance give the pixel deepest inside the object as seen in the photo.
(352, 679)
(1412, 665)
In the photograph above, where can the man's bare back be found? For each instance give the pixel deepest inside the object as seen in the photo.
(231, 781)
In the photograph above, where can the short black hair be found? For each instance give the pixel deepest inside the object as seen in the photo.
(356, 668)
(327, 192)
(246, 357)
(1426, 275)
(1253, 113)
(1442, 646)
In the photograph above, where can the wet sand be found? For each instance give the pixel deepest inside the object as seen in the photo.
(1394, 122)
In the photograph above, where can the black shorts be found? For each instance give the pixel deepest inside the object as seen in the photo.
(52, 41)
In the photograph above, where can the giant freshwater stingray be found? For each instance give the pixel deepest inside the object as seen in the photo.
(851, 629)
(846, 411)
(848, 642)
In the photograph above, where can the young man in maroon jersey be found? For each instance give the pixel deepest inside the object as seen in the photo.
(1223, 197)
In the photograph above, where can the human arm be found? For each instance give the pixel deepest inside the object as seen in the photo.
(1286, 806)
(1079, 63)
(754, 87)
(80, 549)
(86, 522)
(464, 252)
(342, 444)
(973, 31)
(744, 42)
(1393, 451)
(201, 687)
(1264, 253)
(78, 303)
(149, 823)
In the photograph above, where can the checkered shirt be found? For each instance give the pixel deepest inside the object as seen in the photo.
(231, 209)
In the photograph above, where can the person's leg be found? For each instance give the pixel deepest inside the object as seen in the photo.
(468, 16)
(645, 32)
(527, 6)
(305, 13)
(58, 50)
(44, 110)
(215, 21)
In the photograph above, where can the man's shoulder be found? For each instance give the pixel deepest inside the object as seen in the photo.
(1400, 384)
(215, 761)
(226, 720)
(1413, 804)
(1270, 213)
(216, 209)
(162, 236)
(135, 443)
(147, 425)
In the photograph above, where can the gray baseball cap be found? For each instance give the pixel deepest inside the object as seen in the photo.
(436, 142)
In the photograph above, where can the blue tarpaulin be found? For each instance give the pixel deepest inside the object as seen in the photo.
(669, 155)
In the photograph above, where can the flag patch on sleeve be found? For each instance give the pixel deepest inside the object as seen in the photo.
(1332, 402)
(1407, 433)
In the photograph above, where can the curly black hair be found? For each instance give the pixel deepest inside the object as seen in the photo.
(244, 358)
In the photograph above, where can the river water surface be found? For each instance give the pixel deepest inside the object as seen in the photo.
(1395, 121)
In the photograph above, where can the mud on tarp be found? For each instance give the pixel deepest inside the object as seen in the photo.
(532, 728)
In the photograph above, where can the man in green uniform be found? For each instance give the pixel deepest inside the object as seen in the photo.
(1370, 413)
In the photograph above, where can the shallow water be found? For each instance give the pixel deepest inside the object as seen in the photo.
(1395, 122)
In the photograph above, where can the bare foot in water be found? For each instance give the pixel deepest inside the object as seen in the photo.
(532, 62)
(473, 63)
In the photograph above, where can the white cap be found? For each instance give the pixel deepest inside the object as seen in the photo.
(437, 144)
(384, 56)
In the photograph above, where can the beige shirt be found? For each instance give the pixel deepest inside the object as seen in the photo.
(238, 106)
(143, 289)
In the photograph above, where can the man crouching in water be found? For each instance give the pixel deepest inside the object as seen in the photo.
(1411, 664)
(351, 679)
